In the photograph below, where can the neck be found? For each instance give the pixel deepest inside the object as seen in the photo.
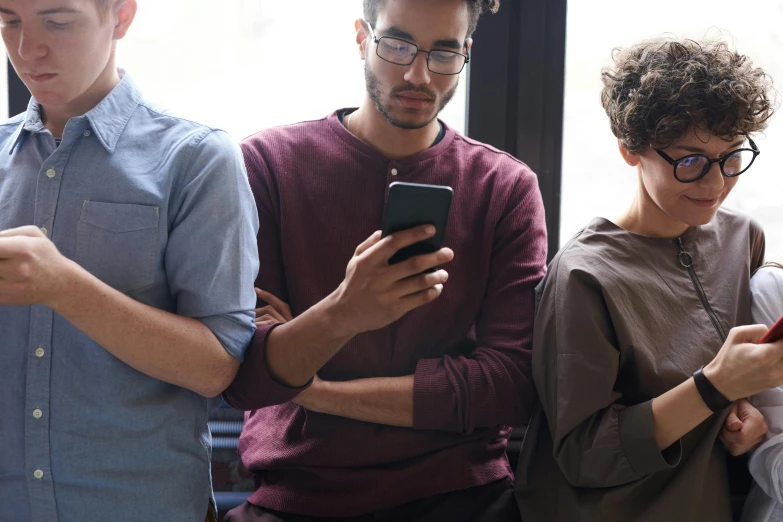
(646, 218)
(394, 143)
(56, 117)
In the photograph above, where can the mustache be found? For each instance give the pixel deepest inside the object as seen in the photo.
(396, 91)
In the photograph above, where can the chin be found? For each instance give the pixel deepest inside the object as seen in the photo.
(411, 120)
(696, 219)
(49, 98)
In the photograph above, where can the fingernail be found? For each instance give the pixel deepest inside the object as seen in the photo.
(429, 229)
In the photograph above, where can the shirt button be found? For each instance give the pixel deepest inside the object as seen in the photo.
(87, 133)
(44, 231)
(37, 413)
(39, 352)
(38, 474)
(51, 173)
(394, 172)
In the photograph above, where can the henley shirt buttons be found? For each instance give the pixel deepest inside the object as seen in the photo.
(38, 474)
(51, 173)
(39, 352)
(87, 133)
(394, 172)
(44, 231)
(37, 413)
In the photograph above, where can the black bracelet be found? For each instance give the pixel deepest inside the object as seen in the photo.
(714, 399)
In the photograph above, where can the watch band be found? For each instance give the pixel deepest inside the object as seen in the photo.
(714, 399)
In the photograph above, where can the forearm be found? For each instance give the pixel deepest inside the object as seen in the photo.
(298, 349)
(174, 349)
(677, 412)
(381, 400)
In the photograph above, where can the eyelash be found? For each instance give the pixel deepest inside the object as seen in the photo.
(10, 23)
(59, 27)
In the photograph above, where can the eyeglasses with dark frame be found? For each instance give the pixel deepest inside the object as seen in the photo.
(402, 52)
(695, 166)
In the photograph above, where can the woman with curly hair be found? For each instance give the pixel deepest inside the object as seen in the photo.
(641, 342)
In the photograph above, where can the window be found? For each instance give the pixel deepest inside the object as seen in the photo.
(4, 91)
(246, 65)
(595, 179)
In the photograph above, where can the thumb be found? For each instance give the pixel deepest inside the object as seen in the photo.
(733, 423)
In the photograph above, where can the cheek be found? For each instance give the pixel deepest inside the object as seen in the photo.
(663, 188)
(11, 42)
(730, 183)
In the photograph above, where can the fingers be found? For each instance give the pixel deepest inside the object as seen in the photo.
(367, 243)
(384, 249)
(13, 246)
(270, 311)
(417, 265)
(27, 231)
(751, 333)
(280, 306)
(264, 320)
(746, 411)
(422, 298)
(418, 283)
(733, 423)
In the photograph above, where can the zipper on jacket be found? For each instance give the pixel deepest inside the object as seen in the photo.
(686, 260)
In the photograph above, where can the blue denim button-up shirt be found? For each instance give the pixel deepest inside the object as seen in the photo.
(156, 207)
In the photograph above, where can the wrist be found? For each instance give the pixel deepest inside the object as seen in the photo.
(71, 278)
(715, 374)
(336, 318)
(713, 397)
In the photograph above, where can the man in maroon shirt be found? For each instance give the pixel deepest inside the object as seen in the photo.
(387, 394)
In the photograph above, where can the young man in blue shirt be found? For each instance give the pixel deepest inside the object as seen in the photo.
(127, 261)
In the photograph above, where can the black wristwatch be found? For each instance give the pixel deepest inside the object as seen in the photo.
(714, 399)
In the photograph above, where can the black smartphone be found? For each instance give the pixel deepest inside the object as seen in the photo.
(412, 204)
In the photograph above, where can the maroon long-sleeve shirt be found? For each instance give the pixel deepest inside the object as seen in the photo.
(320, 191)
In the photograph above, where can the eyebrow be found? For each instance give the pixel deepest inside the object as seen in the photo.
(396, 32)
(58, 10)
(697, 150)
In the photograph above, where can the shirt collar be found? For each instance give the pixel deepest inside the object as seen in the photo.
(108, 119)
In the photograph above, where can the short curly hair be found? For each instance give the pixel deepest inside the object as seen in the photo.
(476, 8)
(660, 88)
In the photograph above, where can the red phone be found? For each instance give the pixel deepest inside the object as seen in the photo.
(775, 333)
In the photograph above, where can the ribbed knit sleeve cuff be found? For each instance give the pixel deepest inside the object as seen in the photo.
(434, 404)
(253, 387)
(637, 438)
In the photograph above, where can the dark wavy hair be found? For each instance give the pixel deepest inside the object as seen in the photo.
(476, 7)
(657, 90)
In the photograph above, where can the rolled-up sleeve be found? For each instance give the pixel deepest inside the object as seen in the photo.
(493, 385)
(598, 441)
(254, 387)
(211, 255)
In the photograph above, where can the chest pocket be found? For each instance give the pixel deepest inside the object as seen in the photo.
(118, 243)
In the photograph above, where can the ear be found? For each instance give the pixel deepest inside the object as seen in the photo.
(631, 158)
(362, 37)
(122, 16)
(469, 43)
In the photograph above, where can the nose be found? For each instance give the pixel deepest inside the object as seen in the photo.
(714, 178)
(418, 73)
(31, 46)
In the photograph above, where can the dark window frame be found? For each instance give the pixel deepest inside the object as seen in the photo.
(516, 92)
